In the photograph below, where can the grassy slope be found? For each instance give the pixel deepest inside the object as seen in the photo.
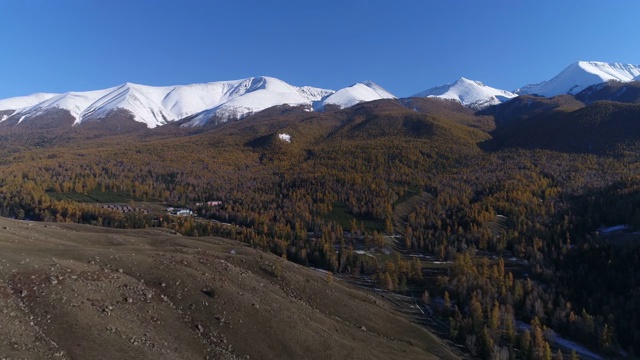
(87, 292)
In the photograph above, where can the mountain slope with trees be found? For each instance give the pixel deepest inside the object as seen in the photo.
(511, 203)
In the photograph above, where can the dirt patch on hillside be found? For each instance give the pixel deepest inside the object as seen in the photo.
(71, 291)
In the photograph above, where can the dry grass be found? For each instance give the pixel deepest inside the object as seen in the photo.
(74, 291)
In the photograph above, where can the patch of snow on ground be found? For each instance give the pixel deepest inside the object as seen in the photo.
(362, 252)
(285, 137)
(581, 350)
(608, 230)
(319, 270)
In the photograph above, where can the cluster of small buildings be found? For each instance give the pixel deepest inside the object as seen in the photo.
(124, 208)
(210, 203)
(179, 211)
(189, 212)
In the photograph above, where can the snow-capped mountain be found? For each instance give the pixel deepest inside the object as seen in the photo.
(156, 106)
(24, 101)
(256, 94)
(580, 75)
(470, 93)
(356, 93)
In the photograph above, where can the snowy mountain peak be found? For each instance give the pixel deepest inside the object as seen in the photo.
(580, 75)
(20, 102)
(470, 93)
(464, 80)
(469, 82)
(248, 96)
(378, 89)
(223, 100)
(357, 93)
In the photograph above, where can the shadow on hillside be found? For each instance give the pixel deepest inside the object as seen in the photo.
(565, 125)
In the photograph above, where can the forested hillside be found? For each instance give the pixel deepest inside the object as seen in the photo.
(510, 203)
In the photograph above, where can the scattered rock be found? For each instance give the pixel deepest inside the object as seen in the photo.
(363, 328)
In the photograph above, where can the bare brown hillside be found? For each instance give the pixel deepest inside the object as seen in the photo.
(78, 292)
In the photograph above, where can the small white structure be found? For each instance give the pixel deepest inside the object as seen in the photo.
(184, 212)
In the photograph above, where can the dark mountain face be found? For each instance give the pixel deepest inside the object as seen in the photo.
(627, 92)
(44, 130)
(5, 113)
(432, 119)
(118, 121)
(451, 110)
(527, 106)
(56, 127)
(599, 128)
(49, 120)
(435, 105)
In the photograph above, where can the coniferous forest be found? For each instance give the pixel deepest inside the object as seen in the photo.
(501, 222)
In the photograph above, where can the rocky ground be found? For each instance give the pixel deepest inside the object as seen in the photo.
(70, 291)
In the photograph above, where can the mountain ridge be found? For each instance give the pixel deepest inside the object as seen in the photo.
(198, 104)
(155, 106)
(470, 93)
(580, 75)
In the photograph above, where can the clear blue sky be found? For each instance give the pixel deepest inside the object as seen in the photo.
(405, 46)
